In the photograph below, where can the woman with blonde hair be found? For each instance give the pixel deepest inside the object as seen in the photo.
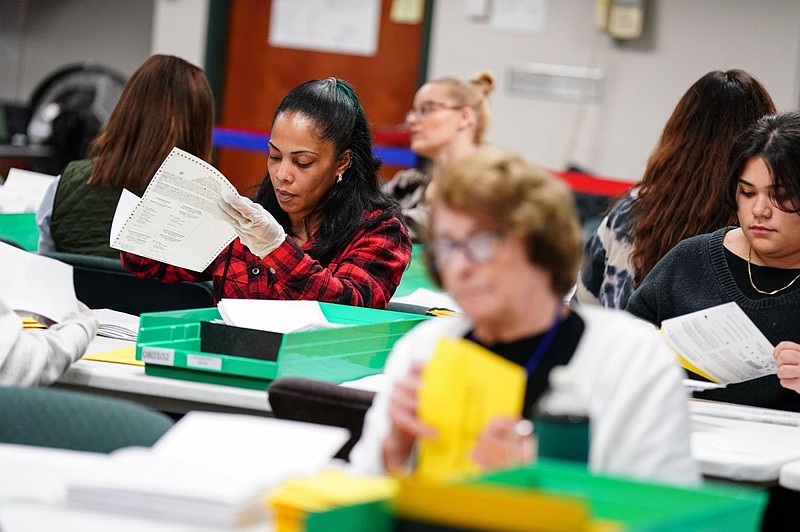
(449, 119)
(505, 244)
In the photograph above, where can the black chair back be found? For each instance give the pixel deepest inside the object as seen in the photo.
(313, 401)
(102, 282)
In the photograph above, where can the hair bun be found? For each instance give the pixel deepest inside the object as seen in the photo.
(485, 80)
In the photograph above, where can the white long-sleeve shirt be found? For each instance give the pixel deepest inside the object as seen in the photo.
(622, 375)
(38, 357)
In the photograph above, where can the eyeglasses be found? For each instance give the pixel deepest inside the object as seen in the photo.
(478, 247)
(424, 110)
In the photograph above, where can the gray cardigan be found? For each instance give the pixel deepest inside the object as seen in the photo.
(693, 276)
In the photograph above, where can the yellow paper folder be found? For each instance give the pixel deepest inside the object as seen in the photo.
(464, 386)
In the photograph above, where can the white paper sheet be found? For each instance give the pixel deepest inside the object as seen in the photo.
(23, 191)
(722, 342)
(429, 298)
(125, 206)
(251, 447)
(37, 284)
(177, 220)
(273, 315)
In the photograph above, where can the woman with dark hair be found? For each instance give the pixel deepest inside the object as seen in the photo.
(320, 227)
(167, 102)
(756, 265)
(681, 190)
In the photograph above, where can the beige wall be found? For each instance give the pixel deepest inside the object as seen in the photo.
(683, 40)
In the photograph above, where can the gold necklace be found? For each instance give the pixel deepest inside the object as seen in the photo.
(750, 275)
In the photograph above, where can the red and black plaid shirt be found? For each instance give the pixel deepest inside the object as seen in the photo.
(365, 273)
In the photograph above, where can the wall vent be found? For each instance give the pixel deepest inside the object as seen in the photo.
(556, 82)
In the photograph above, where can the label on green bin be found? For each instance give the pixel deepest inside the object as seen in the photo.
(158, 355)
(204, 362)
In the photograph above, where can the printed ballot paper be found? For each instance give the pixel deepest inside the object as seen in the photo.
(176, 219)
(721, 344)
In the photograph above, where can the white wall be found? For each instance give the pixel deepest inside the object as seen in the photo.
(40, 36)
(179, 28)
(683, 40)
(54, 33)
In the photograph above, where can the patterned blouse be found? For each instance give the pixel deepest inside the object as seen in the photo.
(365, 273)
(606, 276)
(407, 187)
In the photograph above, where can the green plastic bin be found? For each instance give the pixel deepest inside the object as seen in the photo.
(416, 275)
(170, 344)
(641, 506)
(632, 506)
(20, 228)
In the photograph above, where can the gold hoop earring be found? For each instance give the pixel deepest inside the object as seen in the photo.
(339, 178)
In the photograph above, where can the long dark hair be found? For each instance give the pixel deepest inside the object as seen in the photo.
(684, 182)
(776, 140)
(167, 102)
(334, 108)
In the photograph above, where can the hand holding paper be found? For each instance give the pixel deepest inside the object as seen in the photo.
(406, 428)
(256, 227)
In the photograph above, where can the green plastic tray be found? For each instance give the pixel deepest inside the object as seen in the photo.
(633, 506)
(21, 228)
(641, 506)
(333, 355)
(416, 275)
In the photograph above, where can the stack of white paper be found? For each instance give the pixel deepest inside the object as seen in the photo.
(272, 315)
(137, 482)
(210, 469)
(115, 324)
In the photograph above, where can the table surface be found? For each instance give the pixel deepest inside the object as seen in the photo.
(165, 394)
(732, 442)
(743, 444)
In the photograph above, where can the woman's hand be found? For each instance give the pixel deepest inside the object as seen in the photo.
(405, 425)
(256, 227)
(505, 442)
(787, 355)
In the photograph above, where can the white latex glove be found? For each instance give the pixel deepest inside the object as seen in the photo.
(82, 317)
(256, 227)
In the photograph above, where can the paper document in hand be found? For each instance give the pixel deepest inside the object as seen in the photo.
(721, 344)
(464, 387)
(37, 284)
(176, 220)
(273, 315)
(23, 191)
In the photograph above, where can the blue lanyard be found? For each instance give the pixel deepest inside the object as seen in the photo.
(544, 344)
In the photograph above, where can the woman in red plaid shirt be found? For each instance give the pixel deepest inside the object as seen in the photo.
(320, 227)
